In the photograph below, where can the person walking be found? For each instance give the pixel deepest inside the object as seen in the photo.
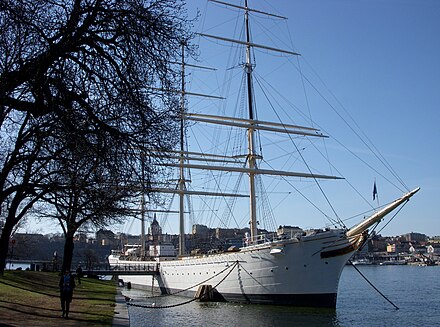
(79, 272)
(67, 284)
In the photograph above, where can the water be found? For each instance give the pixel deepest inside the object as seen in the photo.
(17, 265)
(415, 290)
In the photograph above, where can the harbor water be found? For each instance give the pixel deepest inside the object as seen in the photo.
(414, 290)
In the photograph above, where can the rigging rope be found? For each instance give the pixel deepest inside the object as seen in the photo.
(393, 216)
(341, 144)
(189, 301)
(370, 146)
(371, 284)
(369, 237)
(338, 220)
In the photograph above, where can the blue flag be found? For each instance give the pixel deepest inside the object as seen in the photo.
(374, 191)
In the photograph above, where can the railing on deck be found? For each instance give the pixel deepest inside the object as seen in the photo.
(270, 237)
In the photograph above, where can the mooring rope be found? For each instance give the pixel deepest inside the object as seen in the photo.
(374, 287)
(369, 237)
(202, 282)
(189, 301)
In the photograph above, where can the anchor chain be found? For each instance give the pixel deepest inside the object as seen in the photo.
(374, 287)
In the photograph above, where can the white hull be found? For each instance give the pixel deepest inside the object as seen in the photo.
(303, 272)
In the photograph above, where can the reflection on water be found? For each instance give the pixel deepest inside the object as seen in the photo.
(412, 289)
(229, 314)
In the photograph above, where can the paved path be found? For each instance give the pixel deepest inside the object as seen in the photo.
(121, 318)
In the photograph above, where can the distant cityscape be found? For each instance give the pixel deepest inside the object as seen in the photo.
(44, 252)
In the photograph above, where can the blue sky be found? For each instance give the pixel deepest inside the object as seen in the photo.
(380, 58)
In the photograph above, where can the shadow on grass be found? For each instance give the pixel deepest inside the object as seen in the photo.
(55, 291)
(26, 309)
(29, 289)
(45, 312)
(24, 281)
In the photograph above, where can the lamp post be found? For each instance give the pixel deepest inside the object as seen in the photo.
(54, 261)
(12, 253)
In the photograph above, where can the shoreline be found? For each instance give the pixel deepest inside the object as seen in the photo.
(121, 317)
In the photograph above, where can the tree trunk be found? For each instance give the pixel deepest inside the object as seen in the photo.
(68, 251)
(4, 244)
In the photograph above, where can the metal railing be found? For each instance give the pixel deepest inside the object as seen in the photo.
(269, 237)
(125, 268)
(153, 267)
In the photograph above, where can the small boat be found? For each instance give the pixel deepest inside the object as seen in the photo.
(393, 262)
(362, 262)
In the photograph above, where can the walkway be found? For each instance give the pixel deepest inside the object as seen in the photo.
(121, 317)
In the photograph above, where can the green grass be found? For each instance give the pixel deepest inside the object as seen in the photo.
(29, 298)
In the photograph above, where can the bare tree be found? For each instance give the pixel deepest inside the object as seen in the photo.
(91, 68)
(22, 174)
(94, 187)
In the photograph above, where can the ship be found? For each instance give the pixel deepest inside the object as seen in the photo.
(297, 268)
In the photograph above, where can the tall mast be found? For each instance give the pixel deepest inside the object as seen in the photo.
(251, 137)
(181, 184)
(181, 162)
(252, 156)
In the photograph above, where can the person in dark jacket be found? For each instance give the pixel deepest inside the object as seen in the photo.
(67, 284)
(79, 272)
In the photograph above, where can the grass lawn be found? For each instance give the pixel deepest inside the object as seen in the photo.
(31, 298)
